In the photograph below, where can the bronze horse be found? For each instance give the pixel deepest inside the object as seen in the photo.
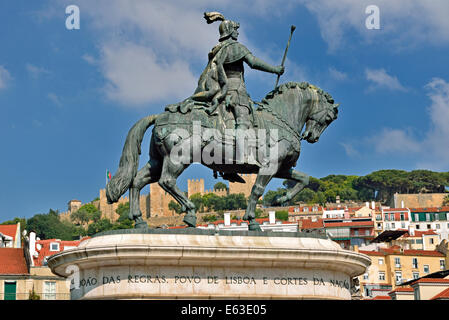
(285, 111)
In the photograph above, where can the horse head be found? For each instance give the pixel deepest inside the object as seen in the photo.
(321, 115)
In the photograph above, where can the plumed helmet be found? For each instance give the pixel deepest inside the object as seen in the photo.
(226, 28)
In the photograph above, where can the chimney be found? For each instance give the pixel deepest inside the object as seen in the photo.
(373, 205)
(272, 217)
(227, 219)
(402, 203)
(367, 204)
(337, 199)
(32, 244)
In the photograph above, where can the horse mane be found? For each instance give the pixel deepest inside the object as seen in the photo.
(301, 85)
(275, 108)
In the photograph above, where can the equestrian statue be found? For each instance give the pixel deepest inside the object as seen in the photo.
(220, 127)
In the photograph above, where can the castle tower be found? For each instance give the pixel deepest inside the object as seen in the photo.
(195, 186)
(74, 205)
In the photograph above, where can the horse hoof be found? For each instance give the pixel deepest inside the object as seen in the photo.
(190, 221)
(254, 226)
(141, 225)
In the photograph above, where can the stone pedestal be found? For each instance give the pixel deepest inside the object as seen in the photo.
(201, 264)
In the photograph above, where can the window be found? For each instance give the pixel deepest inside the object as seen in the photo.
(416, 217)
(437, 226)
(398, 276)
(365, 276)
(437, 216)
(54, 246)
(442, 265)
(415, 275)
(417, 227)
(367, 232)
(426, 268)
(415, 263)
(356, 232)
(387, 226)
(381, 275)
(386, 217)
(431, 240)
(402, 217)
(49, 290)
(379, 226)
(393, 225)
(403, 225)
(418, 241)
(381, 261)
(397, 262)
(427, 216)
(429, 227)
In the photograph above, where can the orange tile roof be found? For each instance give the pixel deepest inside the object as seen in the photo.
(309, 224)
(396, 210)
(9, 230)
(430, 280)
(12, 261)
(45, 250)
(381, 298)
(442, 295)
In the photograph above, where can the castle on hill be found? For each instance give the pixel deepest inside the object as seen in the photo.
(155, 203)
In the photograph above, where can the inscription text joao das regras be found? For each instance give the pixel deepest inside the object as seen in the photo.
(213, 280)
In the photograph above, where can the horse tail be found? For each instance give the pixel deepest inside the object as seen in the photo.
(129, 161)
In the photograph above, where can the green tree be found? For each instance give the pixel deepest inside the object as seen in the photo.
(99, 226)
(86, 214)
(220, 186)
(48, 226)
(305, 195)
(173, 205)
(270, 195)
(123, 222)
(282, 215)
(197, 200)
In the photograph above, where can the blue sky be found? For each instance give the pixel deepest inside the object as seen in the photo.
(69, 97)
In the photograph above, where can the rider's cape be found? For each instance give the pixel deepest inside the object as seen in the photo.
(214, 76)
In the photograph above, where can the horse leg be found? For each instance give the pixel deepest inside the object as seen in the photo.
(301, 179)
(148, 174)
(170, 172)
(263, 178)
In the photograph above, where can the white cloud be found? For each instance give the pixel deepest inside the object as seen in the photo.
(54, 98)
(5, 77)
(350, 150)
(395, 141)
(89, 59)
(135, 76)
(431, 151)
(36, 71)
(382, 79)
(337, 75)
(403, 23)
